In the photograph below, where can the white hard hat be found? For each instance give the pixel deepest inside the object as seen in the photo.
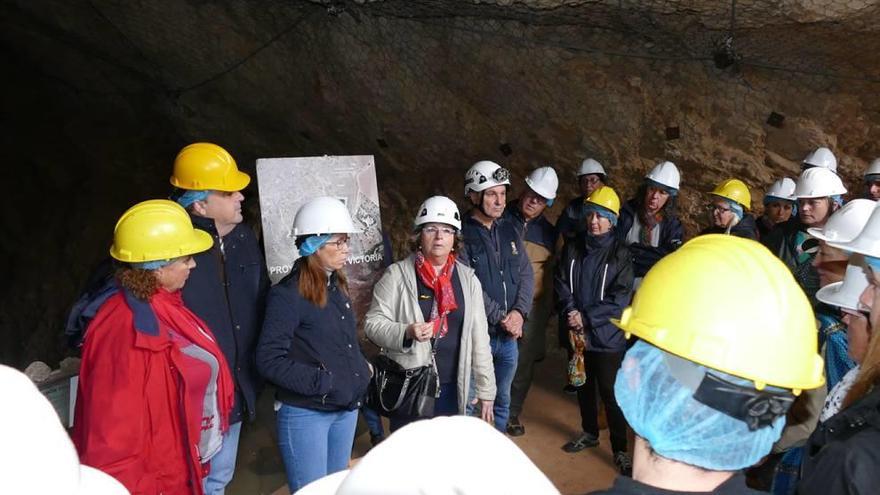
(665, 174)
(544, 181)
(818, 182)
(868, 240)
(323, 215)
(438, 209)
(846, 294)
(449, 454)
(591, 166)
(782, 189)
(823, 158)
(485, 174)
(873, 168)
(845, 224)
(36, 453)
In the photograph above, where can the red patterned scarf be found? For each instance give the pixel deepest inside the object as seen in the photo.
(444, 295)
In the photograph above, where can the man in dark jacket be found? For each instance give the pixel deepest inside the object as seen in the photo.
(494, 249)
(648, 223)
(228, 286)
(539, 237)
(594, 282)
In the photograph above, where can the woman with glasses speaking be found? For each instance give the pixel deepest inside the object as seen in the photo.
(428, 310)
(731, 200)
(309, 349)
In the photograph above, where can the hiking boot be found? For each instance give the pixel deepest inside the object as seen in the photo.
(581, 442)
(570, 389)
(514, 427)
(624, 463)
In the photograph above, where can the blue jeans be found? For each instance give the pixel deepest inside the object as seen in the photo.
(314, 443)
(374, 421)
(505, 354)
(223, 463)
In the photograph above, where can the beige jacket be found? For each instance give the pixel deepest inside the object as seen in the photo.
(395, 305)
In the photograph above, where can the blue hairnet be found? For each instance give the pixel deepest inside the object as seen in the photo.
(152, 265)
(671, 190)
(313, 243)
(662, 410)
(873, 262)
(735, 207)
(837, 198)
(190, 197)
(603, 212)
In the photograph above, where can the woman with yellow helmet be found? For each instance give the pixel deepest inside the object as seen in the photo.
(728, 210)
(155, 392)
(594, 282)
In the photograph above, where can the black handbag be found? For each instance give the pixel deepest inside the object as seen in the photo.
(398, 391)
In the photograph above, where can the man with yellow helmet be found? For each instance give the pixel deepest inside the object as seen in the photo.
(228, 287)
(706, 390)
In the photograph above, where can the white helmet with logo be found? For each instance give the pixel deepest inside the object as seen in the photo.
(665, 174)
(439, 209)
(822, 158)
(591, 166)
(818, 182)
(323, 215)
(544, 181)
(485, 174)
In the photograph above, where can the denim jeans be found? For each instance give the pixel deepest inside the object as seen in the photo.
(223, 463)
(374, 421)
(314, 443)
(505, 354)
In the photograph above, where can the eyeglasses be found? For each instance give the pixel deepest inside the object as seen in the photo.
(434, 230)
(340, 243)
(718, 208)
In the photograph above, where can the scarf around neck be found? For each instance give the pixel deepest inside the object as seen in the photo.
(444, 295)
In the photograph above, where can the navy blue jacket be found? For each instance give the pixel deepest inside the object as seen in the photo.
(645, 256)
(499, 259)
(746, 228)
(595, 277)
(228, 289)
(311, 353)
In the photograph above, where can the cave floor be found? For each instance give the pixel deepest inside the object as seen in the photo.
(551, 418)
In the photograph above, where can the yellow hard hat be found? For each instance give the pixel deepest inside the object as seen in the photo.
(735, 190)
(206, 166)
(606, 198)
(157, 229)
(727, 303)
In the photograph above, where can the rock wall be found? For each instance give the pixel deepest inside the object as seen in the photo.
(100, 95)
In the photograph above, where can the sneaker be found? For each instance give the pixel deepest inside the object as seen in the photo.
(581, 442)
(570, 389)
(624, 463)
(514, 427)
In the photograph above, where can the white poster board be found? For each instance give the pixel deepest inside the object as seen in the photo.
(285, 184)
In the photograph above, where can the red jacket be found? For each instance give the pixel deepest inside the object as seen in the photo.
(130, 418)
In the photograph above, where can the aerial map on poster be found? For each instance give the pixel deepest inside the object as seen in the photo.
(287, 183)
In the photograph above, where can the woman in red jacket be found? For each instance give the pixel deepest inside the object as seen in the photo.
(154, 390)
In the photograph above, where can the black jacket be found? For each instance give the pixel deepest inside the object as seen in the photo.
(791, 244)
(311, 353)
(645, 256)
(595, 277)
(228, 289)
(843, 454)
(572, 221)
(746, 228)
